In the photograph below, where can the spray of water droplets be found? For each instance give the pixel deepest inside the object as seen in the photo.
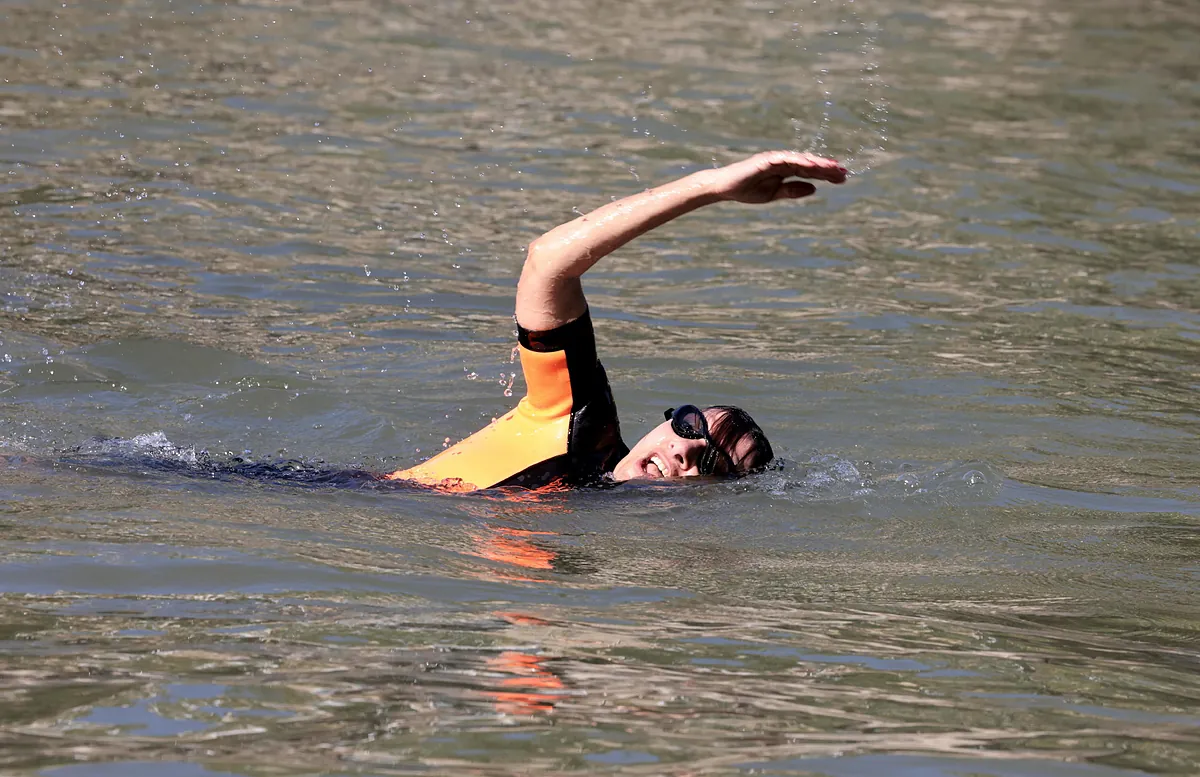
(848, 119)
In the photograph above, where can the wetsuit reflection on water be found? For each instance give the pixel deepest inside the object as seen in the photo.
(522, 552)
(525, 681)
(526, 684)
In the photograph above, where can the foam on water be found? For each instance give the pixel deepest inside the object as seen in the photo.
(153, 445)
(154, 453)
(831, 478)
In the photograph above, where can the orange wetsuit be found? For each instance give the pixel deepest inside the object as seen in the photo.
(564, 430)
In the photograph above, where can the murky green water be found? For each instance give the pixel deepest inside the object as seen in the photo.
(294, 230)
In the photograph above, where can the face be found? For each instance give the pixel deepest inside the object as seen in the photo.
(664, 454)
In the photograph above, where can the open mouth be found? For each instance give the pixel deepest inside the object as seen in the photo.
(656, 468)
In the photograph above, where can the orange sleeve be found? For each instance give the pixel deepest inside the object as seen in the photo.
(535, 430)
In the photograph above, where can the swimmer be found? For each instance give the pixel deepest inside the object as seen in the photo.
(565, 430)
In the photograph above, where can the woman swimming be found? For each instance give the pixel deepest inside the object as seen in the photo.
(565, 430)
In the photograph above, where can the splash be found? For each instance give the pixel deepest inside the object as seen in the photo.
(154, 444)
(853, 106)
(830, 478)
(153, 455)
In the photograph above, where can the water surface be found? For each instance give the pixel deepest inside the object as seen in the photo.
(272, 231)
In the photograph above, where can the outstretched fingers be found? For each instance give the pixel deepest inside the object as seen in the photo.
(803, 165)
(772, 175)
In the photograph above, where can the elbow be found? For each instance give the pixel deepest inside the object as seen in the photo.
(536, 248)
(533, 272)
(541, 261)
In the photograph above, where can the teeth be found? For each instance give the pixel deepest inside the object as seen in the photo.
(656, 461)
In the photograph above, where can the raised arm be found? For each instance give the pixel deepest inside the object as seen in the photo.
(550, 294)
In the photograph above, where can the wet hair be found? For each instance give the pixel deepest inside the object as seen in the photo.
(733, 425)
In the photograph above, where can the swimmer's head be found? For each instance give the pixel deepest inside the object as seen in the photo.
(721, 440)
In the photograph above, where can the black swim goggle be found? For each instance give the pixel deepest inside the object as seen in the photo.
(688, 422)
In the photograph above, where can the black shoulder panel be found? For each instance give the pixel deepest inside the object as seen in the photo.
(577, 333)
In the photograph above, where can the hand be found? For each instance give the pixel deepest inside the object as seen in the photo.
(761, 177)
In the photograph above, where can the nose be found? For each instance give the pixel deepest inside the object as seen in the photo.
(686, 455)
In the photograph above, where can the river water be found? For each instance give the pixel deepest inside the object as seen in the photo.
(282, 230)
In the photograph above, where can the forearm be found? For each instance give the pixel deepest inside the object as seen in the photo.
(549, 293)
(571, 249)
